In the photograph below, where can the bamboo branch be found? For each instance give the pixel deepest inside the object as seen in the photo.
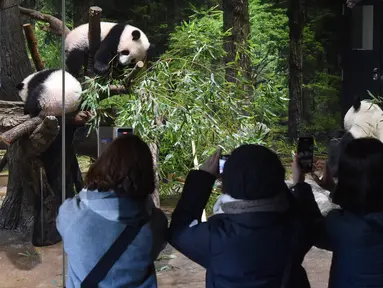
(94, 34)
(32, 45)
(19, 131)
(124, 88)
(55, 24)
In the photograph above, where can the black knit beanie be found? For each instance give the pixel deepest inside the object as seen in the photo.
(253, 172)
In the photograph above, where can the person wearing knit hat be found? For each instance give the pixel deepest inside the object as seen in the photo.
(256, 237)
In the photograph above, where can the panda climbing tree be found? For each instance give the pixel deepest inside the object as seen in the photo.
(33, 134)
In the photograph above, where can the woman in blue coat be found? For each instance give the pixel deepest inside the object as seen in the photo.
(111, 230)
(253, 239)
(354, 232)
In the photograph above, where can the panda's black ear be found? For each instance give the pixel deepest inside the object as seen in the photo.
(20, 86)
(356, 104)
(136, 35)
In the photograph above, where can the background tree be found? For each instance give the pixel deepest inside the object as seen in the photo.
(80, 12)
(236, 18)
(296, 15)
(14, 62)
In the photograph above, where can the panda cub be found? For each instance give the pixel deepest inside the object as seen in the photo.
(41, 93)
(363, 119)
(127, 42)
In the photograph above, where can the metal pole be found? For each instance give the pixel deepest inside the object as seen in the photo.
(63, 188)
(42, 204)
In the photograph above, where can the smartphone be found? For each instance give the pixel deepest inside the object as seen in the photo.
(306, 153)
(222, 161)
(124, 131)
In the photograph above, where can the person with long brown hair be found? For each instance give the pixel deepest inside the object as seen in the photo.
(111, 230)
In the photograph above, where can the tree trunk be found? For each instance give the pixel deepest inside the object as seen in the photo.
(14, 62)
(154, 148)
(80, 12)
(31, 205)
(296, 15)
(236, 18)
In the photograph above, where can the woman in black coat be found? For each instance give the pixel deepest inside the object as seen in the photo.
(354, 232)
(256, 237)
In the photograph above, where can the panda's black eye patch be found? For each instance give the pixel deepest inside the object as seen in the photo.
(133, 60)
(125, 52)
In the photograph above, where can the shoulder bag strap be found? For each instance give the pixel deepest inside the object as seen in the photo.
(106, 262)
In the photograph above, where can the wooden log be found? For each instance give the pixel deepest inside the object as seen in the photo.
(32, 46)
(19, 131)
(55, 25)
(94, 37)
(43, 136)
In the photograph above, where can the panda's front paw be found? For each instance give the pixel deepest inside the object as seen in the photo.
(100, 68)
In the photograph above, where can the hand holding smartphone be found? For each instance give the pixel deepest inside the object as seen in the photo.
(222, 161)
(306, 153)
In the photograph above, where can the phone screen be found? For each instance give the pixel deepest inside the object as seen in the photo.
(306, 153)
(222, 161)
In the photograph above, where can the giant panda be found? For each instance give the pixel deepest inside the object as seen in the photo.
(363, 119)
(41, 93)
(127, 42)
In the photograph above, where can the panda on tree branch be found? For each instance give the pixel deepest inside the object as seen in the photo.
(41, 93)
(127, 42)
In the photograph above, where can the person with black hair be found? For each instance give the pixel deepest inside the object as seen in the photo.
(354, 232)
(256, 237)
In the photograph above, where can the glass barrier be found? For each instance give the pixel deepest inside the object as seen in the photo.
(186, 77)
(33, 181)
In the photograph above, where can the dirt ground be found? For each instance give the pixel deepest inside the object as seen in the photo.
(24, 266)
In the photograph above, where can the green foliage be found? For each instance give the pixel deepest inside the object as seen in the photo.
(49, 47)
(184, 104)
(269, 40)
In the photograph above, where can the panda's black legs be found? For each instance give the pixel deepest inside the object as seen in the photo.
(32, 105)
(75, 61)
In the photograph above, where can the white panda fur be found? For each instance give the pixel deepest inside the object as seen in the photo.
(364, 119)
(129, 43)
(41, 93)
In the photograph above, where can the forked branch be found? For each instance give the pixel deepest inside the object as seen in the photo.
(55, 24)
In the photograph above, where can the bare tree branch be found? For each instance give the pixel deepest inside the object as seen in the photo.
(20, 130)
(55, 24)
(32, 45)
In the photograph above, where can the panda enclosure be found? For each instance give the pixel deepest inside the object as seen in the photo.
(34, 144)
(14, 69)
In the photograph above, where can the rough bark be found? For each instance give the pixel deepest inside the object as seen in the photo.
(20, 130)
(80, 12)
(236, 18)
(55, 24)
(19, 209)
(32, 45)
(296, 15)
(154, 148)
(93, 36)
(14, 62)
(31, 4)
(28, 153)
